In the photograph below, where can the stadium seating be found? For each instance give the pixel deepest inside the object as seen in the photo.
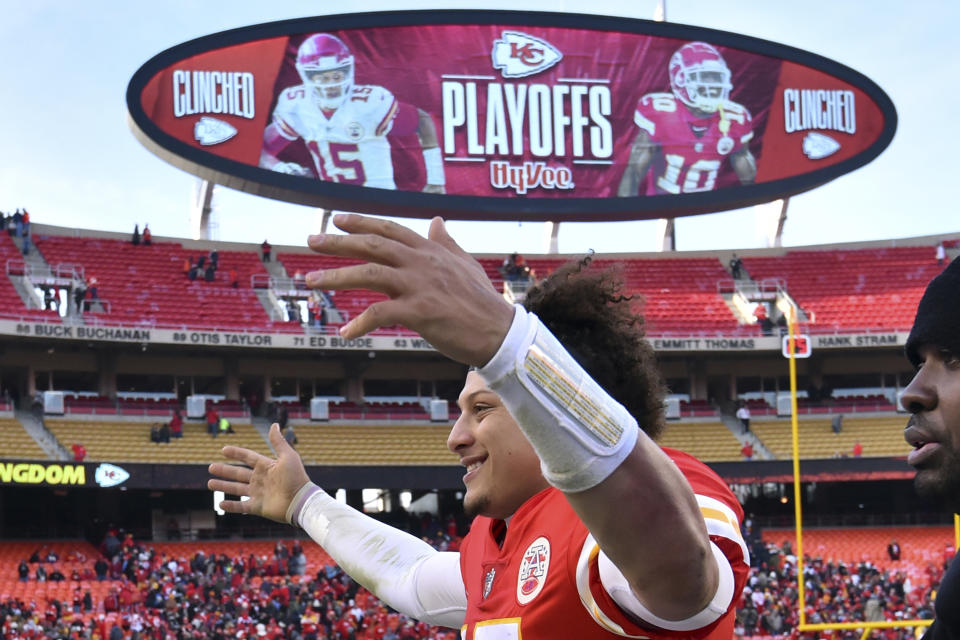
(863, 289)
(17, 444)
(130, 441)
(879, 435)
(374, 445)
(146, 284)
(10, 303)
(921, 546)
(848, 289)
(708, 441)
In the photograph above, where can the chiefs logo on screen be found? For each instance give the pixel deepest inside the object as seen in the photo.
(518, 55)
(529, 134)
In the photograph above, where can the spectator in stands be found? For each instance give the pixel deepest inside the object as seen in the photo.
(893, 550)
(265, 249)
(49, 299)
(747, 451)
(837, 423)
(743, 415)
(79, 293)
(164, 435)
(147, 235)
(40, 574)
(510, 461)
(234, 279)
(213, 422)
(293, 311)
(176, 424)
(135, 240)
(210, 274)
(155, 433)
(857, 450)
(187, 263)
(290, 436)
(193, 273)
(736, 267)
(79, 452)
(941, 254)
(23, 570)
(215, 259)
(93, 288)
(100, 567)
(225, 426)
(933, 399)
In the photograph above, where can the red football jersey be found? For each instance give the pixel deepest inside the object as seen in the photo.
(543, 583)
(691, 149)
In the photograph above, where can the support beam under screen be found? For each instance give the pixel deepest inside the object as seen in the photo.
(325, 215)
(552, 238)
(200, 212)
(668, 234)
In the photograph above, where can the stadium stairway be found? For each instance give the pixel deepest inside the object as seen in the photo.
(44, 439)
(760, 450)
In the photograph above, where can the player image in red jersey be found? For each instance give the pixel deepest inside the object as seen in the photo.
(585, 527)
(685, 136)
(346, 127)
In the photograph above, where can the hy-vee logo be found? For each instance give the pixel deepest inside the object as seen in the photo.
(518, 54)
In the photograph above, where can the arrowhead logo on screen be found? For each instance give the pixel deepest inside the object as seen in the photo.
(518, 54)
(209, 131)
(109, 475)
(817, 146)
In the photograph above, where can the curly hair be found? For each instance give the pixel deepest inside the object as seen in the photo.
(602, 328)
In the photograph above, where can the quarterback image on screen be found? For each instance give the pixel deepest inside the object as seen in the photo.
(685, 136)
(346, 127)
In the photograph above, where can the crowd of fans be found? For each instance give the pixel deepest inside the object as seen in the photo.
(834, 591)
(160, 595)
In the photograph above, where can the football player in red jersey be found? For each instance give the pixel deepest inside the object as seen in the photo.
(585, 527)
(686, 135)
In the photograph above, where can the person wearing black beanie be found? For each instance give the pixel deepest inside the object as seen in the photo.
(933, 399)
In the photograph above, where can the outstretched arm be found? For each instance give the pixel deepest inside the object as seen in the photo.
(273, 144)
(641, 153)
(398, 568)
(589, 446)
(432, 157)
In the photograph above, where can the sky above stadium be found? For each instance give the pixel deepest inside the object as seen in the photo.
(68, 155)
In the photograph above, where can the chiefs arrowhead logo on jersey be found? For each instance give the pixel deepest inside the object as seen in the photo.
(817, 146)
(209, 131)
(533, 570)
(518, 54)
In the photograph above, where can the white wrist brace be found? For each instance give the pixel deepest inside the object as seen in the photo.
(579, 432)
(433, 161)
(403, 571)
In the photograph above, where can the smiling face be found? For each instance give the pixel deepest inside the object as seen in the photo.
(502, 469)
(933, 397)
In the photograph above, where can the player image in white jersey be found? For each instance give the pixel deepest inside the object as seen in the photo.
(345, 126)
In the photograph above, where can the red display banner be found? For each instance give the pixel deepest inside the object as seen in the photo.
(500, 115)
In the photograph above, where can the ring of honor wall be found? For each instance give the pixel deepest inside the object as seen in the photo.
(500, 115)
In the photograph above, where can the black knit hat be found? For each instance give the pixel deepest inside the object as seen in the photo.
(938, 315)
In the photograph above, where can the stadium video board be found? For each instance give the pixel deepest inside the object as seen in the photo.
(506, 115)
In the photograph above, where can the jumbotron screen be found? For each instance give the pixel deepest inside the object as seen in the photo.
(500, 115)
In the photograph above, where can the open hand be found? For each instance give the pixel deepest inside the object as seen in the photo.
(435, 288)
(270, 483)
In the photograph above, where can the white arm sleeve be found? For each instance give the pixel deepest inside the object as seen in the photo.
(403, 571)
(579, 432)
